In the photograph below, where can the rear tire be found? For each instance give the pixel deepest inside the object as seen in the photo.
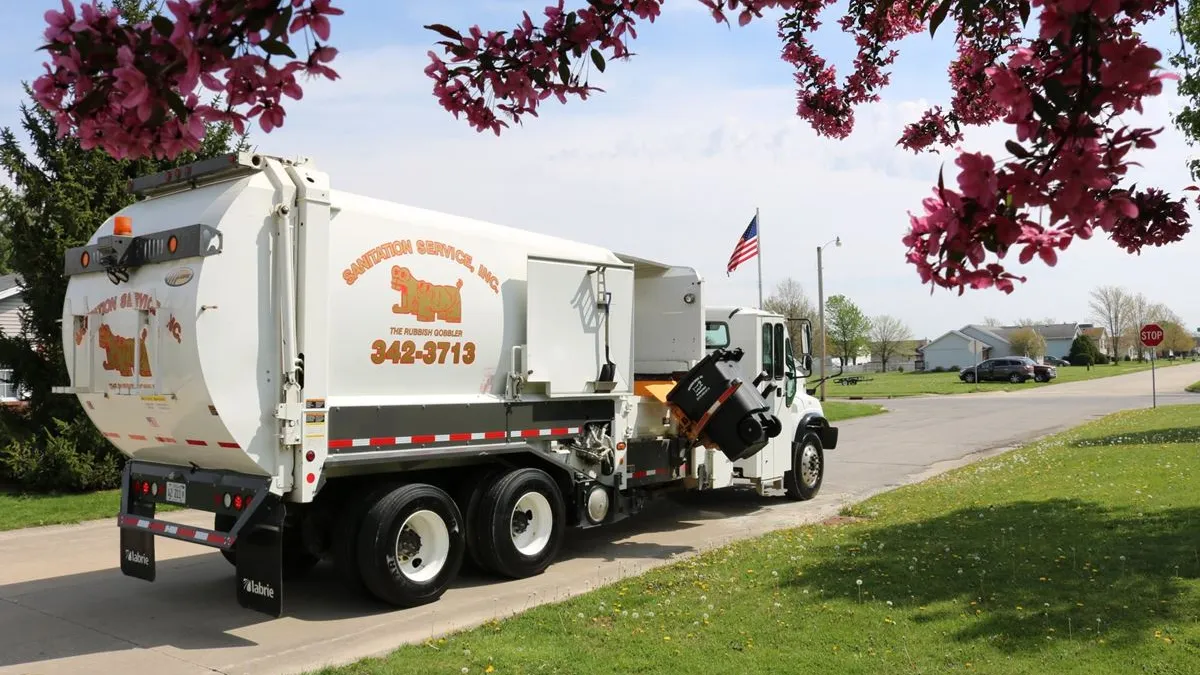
(468, 496)
(804, 480)
(411, 545)
(344, 542)
(1015, 378)
(520, 524)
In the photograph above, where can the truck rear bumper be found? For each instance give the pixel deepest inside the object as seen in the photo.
(256, 535)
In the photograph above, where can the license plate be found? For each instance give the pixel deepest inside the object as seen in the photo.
(177, 493)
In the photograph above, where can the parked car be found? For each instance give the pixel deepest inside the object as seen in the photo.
(1055, 361)
(1013, 368)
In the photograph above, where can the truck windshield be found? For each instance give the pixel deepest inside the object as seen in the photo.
(716, 334)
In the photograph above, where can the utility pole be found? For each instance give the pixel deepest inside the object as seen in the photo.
(837, 241)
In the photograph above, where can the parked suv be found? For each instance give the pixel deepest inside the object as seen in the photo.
(1014, 369)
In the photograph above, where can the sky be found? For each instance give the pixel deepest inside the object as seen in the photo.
(671, 161)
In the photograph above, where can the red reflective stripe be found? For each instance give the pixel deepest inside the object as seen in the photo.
(460, 437)
(112, 434)
(561, 431)
(193, 441)
(424, 438)
(340, 443)
(494, 434)
(186, 532)
(383, 440)
(137, 437)
(526, 433)
(165, 439)
(227, 444)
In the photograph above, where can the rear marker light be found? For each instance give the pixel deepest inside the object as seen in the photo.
(85, 259)
(172, 244)
(311, 478)
(237, 503)
(310, 456)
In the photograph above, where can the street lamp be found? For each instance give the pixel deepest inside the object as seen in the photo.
(837, 242)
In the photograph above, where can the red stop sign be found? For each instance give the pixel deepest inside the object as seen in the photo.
(1152, 335)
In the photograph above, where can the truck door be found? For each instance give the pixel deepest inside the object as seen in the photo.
(775, 457)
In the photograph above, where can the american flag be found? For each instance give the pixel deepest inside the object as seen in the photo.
(747, 246)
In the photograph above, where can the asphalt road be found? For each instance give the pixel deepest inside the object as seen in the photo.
(66, 608)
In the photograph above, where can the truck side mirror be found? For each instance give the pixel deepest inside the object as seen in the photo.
(808, 364)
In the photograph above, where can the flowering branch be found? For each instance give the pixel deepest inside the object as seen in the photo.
(131, 90)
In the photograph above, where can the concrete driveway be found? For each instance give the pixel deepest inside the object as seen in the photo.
(66, 608)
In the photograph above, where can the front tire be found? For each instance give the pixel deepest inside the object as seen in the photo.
(520, 524)
(1015, 378)
(969, 378)
(411, 545)
(804, 480)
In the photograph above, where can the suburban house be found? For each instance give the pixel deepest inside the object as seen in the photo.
(1099, 335)
(904, 355)
(12, 300)
(963, 347)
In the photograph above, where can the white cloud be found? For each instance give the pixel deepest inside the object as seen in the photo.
(671, 164)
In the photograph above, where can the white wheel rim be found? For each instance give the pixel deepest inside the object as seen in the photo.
(532, 523)
(810, 465)
(422, 546)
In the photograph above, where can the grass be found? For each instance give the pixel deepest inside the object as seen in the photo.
(836, 411)
(19, 510)
(1076, 554)
(1194, 387)
(888, 385)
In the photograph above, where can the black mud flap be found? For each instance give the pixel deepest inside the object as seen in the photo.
(137, 546)
(260, 559)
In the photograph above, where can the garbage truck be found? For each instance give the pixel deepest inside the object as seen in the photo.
(405, 392)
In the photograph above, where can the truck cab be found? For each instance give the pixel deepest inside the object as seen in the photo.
(794, 459)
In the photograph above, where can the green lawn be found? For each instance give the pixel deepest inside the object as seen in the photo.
(32, 510)
(887, 385)
(841, 410)
(1076, 554)
(1194, 387)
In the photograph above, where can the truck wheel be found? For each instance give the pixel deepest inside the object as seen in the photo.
(344, 542)
(468, 496)
(803, 481)
(297, 561)
(520, 523)
(411, 545)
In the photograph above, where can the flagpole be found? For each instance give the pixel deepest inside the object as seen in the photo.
(758, 226)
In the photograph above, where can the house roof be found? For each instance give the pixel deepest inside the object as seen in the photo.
(989, 331)
(1048, 331)
(9, 286)
(1095, 332)
(947, 334)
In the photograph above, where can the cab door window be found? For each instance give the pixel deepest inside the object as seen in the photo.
(789, 387)
(780, 362)
(768, 351)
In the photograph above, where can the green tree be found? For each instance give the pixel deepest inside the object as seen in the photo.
(1085, 352)
(847, 327)
(790, 300)
(60, 195)
(1028, 342)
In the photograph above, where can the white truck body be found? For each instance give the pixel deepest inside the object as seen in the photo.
(256, 337)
